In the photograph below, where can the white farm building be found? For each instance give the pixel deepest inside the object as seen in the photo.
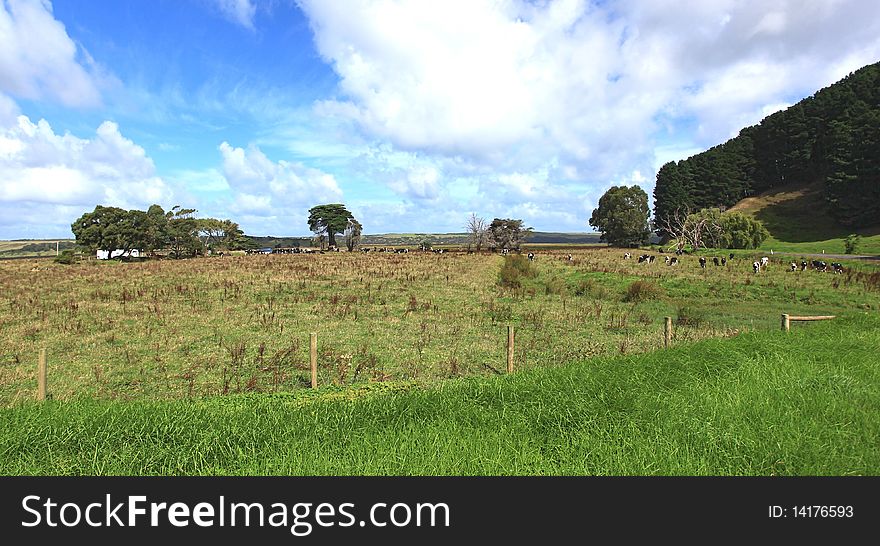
(118, 253)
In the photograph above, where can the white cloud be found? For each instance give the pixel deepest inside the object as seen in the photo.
(38, 165)
(263, 187)
(540, 99)
(38, 58)
(241, 12)
(65, 175)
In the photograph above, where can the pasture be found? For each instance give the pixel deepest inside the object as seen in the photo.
(167, 330)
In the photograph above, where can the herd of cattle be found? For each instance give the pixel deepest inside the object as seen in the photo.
(757, 266)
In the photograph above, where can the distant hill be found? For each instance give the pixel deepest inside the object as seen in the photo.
(811, 172)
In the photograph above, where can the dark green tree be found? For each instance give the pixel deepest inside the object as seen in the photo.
(622, 216)
(329, 220)
(100, 229)
(183, 235)
(506, 233)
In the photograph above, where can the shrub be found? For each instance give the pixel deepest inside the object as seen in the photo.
(66, 257)
(642, 291)
(515, 267)
(851, 243)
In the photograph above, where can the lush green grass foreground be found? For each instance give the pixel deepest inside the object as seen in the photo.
(765, 403)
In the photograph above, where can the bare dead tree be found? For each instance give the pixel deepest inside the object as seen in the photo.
(478, 229)
(685, 227)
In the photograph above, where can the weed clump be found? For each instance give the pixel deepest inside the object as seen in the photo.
(514, 269)
(640, 291)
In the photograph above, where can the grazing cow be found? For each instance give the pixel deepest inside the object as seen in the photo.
(731, 256)
(838, 268)
(764, 261)
(626, 256)
(803, 265)
(756, 266)
(531, 256)
(819, 265)
(673, 261)
(570, 258)
(724, 261)
(715, 261)
(666, 259)
(702, 262)
(650, 259)
(643, 258)
(793, 266)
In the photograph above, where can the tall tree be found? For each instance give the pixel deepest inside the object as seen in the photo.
(183, 236)
(506, 233)
(622, 216)
(329, 220)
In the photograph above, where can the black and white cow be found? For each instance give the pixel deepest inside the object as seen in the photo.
(838, 268)
(626, 256)
(702, 262)
(756, 266)
(819, 265)
(673, 261)
(531, 256)
(793, 266)
(715, 261)
(803, 265)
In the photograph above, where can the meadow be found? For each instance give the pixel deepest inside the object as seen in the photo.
(166, 330)
(200, 367)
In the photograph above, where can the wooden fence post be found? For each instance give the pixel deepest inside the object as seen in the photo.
(667, 332)
(42, 376)
(510, 349)
(313, 358)
(786, 324)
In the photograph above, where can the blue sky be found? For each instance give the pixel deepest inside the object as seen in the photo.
(412, 113)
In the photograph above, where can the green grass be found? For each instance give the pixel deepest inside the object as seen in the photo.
(762, 403)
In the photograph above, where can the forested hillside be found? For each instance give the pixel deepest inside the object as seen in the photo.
(831, 138)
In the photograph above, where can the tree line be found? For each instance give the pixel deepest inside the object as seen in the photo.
(832, 137)
(177, 231)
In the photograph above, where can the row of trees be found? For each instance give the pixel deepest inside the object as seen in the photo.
(177, 231)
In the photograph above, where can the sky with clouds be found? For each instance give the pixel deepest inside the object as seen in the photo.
(413, 113)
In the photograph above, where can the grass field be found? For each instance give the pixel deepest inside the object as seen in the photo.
(762, 403)
(191, 328)
(201, 366)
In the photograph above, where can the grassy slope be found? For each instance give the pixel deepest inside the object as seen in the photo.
(757, 404)
(795, 216)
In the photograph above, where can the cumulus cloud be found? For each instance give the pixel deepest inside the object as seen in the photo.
(263, 187)
(241, 12)
(40, 168)
(580, 92)
(39, 60)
